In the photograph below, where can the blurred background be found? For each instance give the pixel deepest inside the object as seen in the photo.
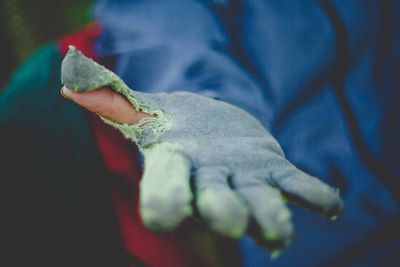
(333, 91)
(26, 25)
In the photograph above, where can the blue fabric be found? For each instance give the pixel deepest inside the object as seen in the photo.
(321, 75)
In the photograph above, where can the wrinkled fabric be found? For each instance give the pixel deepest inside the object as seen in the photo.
(320, 75)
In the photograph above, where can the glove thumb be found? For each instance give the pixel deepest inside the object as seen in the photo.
(106, 103)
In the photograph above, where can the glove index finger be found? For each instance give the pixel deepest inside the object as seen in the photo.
(165, 193)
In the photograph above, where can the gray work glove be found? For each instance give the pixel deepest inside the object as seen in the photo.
(239, 170)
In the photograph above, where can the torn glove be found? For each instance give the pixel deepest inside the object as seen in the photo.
(239, 171)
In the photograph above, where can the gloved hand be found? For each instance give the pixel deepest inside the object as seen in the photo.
(238, 169)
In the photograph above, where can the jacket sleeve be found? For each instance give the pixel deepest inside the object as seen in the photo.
(177, 45)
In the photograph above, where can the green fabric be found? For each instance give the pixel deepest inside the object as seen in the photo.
(33, 102)
(75, 212)
(33, 99)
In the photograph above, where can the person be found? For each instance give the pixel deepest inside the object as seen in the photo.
(260, 56)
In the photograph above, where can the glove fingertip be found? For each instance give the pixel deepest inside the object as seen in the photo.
(80, 73)
(163, 219)
(334, 207)
(223, 212)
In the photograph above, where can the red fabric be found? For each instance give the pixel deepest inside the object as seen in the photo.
(84, 40)
(121, 158)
